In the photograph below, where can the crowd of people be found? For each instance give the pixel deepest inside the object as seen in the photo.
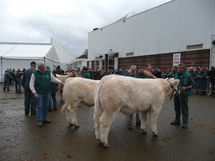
(203, 76)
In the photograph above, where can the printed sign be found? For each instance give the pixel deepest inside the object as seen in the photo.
(176, 59)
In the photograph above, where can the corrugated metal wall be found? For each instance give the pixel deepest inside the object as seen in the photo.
(168, 28)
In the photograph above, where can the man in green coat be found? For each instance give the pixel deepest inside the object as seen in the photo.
(181, 100)
(53, 90)
(40, 83)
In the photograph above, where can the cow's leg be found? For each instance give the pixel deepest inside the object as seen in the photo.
(68, 117)
(72, 113)
(61, 95)
(105, 121)
(97, 113)
(143, 119)
(153, 114)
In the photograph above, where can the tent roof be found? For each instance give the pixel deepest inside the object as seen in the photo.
(24, 51)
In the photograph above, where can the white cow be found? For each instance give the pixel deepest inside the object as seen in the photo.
(129, 95)
(77, 92)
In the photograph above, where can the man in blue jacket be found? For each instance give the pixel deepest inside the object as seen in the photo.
(7, 77)
(30, 100)
(181, 100)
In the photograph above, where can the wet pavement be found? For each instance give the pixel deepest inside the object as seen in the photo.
(21, 138)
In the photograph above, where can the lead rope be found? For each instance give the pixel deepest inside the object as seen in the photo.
(174, 90)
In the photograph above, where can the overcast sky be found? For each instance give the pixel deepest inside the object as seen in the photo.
(66, 21)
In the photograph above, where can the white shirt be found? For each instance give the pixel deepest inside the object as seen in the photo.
(32, 81)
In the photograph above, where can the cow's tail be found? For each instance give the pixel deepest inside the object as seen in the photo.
(97, 91)
(64, 107)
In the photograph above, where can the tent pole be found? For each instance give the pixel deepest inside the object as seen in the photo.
(1, 71)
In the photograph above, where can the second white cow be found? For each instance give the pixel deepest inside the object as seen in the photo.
(129, 95)
(77, 92)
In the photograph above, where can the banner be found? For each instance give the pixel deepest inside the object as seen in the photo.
(176, 59)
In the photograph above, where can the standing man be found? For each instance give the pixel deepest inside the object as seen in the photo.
(53, 90)
(40, 83)
(7, 78)
(17, 79)
(211, 76)
(30, 101)
(181, 100)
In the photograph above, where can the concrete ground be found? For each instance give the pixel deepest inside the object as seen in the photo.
(21, 138)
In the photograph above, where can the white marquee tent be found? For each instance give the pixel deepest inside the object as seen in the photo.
(20, 56)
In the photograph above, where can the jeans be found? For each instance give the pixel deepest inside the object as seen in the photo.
(181, 106)
(130, 118)
(54, 101)
(42, 106)
(6, 84)
(30, 102)
(18, 85)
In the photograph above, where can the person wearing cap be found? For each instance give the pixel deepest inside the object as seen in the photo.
(40, 83)
(30, 100)
(53, 90)
(85, 73)
(58, 70)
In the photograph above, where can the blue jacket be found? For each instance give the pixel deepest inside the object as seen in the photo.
(27, 77)
(7, 76)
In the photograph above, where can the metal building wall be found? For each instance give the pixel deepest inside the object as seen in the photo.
(167, 28)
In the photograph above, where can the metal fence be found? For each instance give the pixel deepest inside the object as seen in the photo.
(204, 86)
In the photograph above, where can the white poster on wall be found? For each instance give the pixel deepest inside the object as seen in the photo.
(212, 56)
(176, 59)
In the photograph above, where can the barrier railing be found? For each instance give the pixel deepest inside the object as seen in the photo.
(204, 86)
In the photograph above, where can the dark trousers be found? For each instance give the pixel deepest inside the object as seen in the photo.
(6, 84)
(181, 106)
(30, 102)
(18, 85)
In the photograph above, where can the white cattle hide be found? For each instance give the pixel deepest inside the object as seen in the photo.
(77, 92)
(63, 78)
(129, 95)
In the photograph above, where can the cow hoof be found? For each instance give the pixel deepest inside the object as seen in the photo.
(71, 124)
(144, 132)
(155, 134)
(77, 126)
(106, 146)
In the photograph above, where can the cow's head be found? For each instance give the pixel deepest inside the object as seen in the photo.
(174, 83)
(73, 74)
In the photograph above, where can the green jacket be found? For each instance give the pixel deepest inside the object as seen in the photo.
(135, 75)
(185, 81)
(86, 75)
(53, 86)
(203, 76)
(128, 74)
(42, 81)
